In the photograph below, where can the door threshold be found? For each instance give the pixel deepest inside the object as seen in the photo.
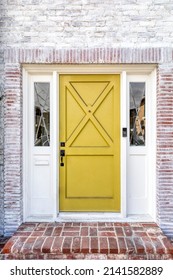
(90, 217)
(40, 218)
(102, 217)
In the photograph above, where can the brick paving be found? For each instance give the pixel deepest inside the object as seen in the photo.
(3, 241)
(106, 240)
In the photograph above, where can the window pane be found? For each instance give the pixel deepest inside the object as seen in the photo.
(137, 114)
(42, 114)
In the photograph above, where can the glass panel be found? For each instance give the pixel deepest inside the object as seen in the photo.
(137, 114)
(42, 114)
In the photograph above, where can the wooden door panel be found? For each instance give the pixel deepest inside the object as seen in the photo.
(89, 183)
(90, 128)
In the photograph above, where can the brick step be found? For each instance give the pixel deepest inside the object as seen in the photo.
(3, 241)
(88, 240)
(81, 256)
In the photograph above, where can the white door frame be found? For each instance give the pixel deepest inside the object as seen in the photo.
(30, 71)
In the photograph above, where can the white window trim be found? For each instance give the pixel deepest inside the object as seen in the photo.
(54, 71)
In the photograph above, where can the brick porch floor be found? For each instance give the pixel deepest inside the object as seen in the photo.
(88, 241)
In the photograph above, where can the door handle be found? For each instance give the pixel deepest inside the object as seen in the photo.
(62, 154)
(61, 163)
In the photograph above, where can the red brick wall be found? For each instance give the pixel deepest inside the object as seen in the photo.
(12, 148)
(13, 119)
(165, 147)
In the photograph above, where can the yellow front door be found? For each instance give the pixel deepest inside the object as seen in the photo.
(90, 143)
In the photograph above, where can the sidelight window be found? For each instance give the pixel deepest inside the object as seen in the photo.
(137, 114)
(42, 113)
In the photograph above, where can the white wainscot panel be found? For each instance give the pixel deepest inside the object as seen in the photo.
(137, 185)
(41, 192)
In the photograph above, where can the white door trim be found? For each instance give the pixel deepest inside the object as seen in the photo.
(55, 138)
(123, 119)
(54, 71)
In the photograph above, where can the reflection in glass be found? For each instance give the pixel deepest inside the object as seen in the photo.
(42, 113)
(137, 114)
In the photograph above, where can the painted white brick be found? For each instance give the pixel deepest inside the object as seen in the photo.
(1, 142)
(46, 18)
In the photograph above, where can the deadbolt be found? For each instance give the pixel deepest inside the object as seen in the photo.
(62, 153)
(62, 144)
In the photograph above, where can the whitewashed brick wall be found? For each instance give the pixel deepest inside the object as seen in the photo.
(1, 142)
(86, 23)
(165, 147)
(13, 191)
(82, 31)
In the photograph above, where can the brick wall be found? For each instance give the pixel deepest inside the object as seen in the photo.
(13, 148)
(165, 147)
(82, 31)
(86, 23)
(1, 141)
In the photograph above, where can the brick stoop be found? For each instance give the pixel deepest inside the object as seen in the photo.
(126, 241)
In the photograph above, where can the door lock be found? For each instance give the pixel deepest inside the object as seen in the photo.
(62, 153)
(62, 144)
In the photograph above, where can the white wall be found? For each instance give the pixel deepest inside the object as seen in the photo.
(86, 23)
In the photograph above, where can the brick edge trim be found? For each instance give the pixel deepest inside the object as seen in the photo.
(84, 56)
